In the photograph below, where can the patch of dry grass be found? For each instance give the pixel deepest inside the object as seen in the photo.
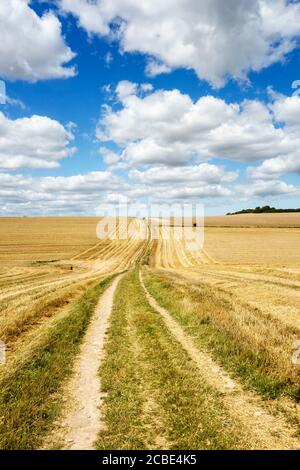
(252, 344)
(154, 395)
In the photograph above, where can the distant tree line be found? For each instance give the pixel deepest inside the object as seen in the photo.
(261, 210)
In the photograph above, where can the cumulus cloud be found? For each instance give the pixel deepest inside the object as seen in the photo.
(8, 181)
(191, 175)
(154, 68)
(86, 193)
(168, 128)
(146, 87)
(184, 193)
(32, 47)
(77, 194)
(216, 38)
(161, 183)
(83, 183)
(276, 167)
(286, 111)
(125, 88)
(33, 142)
(263, 189)
(109, 157)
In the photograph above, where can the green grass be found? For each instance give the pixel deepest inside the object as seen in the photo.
(155, 396)
(30, 398)
(253, 346)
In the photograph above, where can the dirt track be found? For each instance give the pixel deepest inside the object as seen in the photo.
(83, 420)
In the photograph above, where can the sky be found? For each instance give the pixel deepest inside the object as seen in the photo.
(150, 102)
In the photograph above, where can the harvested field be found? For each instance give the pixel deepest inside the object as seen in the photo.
(38, 239)
(223, 317)
(249, 245)
(45, 270)
(288, 219)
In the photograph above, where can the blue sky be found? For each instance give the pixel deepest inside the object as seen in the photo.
(89, 117)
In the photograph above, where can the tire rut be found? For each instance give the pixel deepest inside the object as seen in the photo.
(267, 431)
(83, 421)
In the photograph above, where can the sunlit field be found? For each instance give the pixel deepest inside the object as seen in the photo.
(198, 346)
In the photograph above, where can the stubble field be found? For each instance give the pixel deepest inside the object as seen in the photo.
(194, 346)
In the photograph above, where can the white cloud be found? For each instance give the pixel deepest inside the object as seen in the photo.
(78, 194)
(110, 158)
(150, 152)
(168, 128)
(31, 47)
(86, 193)
(216, 38)
(125, 89)
(196, 193)
(8, 181)
(164, 184)
(280, 17)
(264, 189)
(191, 175)
(33, 142)
(276, 167)
(98, 181)
(154, 68)
(146, 87)
(286, 111)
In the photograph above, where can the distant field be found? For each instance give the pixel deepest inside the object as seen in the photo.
(254, 220)
(248, 238)
(254, 238)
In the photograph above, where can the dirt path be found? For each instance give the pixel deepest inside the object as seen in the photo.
(265, 430)
(83, 421)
